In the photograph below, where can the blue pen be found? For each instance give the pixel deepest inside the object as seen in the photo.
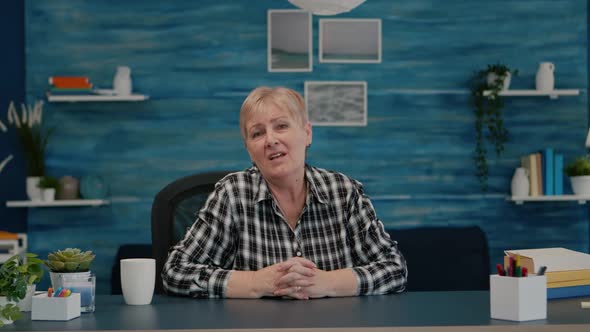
(57, 291)
(541, 270)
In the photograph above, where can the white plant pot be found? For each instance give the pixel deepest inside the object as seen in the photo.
(33, 190)
(55, 277)
(4, 301)
(580, 184)
(25, 304)
(48, 194)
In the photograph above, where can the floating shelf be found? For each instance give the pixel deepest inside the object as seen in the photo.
(553, 94)
(95, 98)
(58, 203)
(559, 198)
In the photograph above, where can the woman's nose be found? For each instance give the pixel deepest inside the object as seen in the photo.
(271, 139)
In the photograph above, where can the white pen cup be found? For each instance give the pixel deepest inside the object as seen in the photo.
(138, 277)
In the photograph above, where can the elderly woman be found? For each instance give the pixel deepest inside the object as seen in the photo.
(282, 227)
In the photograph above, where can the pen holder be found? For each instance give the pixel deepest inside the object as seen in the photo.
(55, 308)
(518, 299)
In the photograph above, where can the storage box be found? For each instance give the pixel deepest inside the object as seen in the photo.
(55, 308)
(518, 299)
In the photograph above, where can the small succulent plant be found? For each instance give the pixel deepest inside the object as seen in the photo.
(69, 260)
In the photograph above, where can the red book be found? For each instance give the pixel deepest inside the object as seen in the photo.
(70, 82)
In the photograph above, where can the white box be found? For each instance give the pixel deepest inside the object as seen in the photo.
(55, 308)
(518, 299)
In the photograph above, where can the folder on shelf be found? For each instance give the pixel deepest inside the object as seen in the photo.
(558, 174)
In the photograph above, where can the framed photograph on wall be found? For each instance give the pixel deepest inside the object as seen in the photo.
(289, 40)
(350, 40)
(336, 103)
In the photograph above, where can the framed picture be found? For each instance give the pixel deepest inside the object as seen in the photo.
(289, 41)
(350, 40)
(336, 103)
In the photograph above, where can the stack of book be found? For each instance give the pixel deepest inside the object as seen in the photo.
(545, 171)
(568, 271)
(70, 85)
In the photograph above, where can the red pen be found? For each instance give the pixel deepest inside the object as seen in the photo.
(500, 269)
(525, 272)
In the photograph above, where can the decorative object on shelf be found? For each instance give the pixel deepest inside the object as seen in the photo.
(579, 174)
(68, 261)
(18, 277)
(519, 186)
(33, 190)
(488, 115)
(93, 187)
(48, 186)
(327, 7)
(122, 81)
(544, 80)
(69, 188)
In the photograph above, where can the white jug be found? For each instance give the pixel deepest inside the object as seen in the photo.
(544, 81)
(122, 81)
(520, 183)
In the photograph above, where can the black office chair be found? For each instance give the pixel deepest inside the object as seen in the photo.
(444, 258)
(174, 211)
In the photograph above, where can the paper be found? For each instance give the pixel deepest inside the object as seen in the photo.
(556, 259)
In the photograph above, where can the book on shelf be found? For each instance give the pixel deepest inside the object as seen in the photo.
(565, 292)
(548, 183)
(70, 91)
(529, 163)
(81, 82)
(539, 174)
(569, 283)
(558, 174)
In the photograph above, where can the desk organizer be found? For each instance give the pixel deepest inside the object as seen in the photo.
(518, 299)
(55, 308)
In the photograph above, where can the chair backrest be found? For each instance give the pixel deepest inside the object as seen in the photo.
(174, 210)
(444, 258)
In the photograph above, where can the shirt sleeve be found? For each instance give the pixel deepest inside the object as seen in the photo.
(199, 265)
(379, 266)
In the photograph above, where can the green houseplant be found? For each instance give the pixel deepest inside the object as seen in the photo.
(579, 174)
(48, 186)
(69, 260)
(489, 125)
(17, 275)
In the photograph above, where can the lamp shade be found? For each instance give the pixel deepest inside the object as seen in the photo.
(327, 7)
(588, 139)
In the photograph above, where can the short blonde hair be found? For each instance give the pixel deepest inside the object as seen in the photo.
(282, 97)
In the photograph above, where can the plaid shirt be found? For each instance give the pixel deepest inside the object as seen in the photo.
(240, 227)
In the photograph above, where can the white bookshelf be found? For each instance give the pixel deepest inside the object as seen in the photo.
(95, 98)
(57, 203)
(553, 198)
(553, 94)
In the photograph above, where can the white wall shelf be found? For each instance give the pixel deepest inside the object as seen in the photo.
(57, 203)
(554, 198)
(553, 94)
(95, 98)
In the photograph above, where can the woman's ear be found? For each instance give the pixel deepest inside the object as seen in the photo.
(309, 133)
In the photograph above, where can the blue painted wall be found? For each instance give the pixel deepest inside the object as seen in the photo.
(198, 60)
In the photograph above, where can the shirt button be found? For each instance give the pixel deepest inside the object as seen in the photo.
(299, 253)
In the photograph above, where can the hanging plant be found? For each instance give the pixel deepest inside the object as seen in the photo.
(488, 105)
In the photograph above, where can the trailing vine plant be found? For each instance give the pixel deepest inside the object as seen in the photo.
(489, 124)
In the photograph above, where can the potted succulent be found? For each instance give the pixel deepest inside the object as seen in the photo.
(48, 186)
(68, 261)
(18, 278)
(579, 174)
(485, 94)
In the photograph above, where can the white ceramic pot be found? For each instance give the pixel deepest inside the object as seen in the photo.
(519, 186)
(33, 190)
(26, 303)
(48, 194)
(505, 84)
(544, 80)
(4, 301)
(580, 184)
(55, 277)
(122, 81)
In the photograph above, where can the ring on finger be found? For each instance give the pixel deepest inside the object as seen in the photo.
(298, 289)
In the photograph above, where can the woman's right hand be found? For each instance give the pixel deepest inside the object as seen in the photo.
(285, 278)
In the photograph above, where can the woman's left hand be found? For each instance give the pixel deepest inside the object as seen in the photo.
(323, 283)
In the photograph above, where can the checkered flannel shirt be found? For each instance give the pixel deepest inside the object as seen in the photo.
(240, 227)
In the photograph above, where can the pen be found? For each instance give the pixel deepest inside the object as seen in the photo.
(500, 269)
(57, 291)
(525, 272)
(541, 270)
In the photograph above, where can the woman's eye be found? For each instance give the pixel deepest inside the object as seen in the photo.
(255, 134)
(283, 125)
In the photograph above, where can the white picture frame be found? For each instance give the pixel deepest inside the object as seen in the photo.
(350, 40)
(289, 40)
(336, 103)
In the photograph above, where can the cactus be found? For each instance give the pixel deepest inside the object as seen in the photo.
(69, 260)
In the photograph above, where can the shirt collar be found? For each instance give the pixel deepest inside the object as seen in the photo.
(264, 192)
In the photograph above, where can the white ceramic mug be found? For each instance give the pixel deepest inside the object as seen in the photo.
(138, 277)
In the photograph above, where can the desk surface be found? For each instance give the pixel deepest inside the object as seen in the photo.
(413, 311)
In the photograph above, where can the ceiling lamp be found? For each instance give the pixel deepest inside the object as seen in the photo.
(327, 7)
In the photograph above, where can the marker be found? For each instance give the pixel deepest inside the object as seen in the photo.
(525, 272)
(541, 270)
(57, 291)
(500, 269)
(49, 292)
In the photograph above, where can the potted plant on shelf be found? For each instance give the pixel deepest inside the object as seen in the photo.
(68, 261)
(485, 94)
(48, 186)
(579, 174)
(18, 278)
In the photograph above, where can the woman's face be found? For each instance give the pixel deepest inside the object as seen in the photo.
(276, 142)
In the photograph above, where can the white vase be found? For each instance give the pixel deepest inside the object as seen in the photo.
(48, 194)
(519, 186)
(580, 184)
(33, 190)
(122, 81)
(26, 303)
(544, 80)
(491, 78)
